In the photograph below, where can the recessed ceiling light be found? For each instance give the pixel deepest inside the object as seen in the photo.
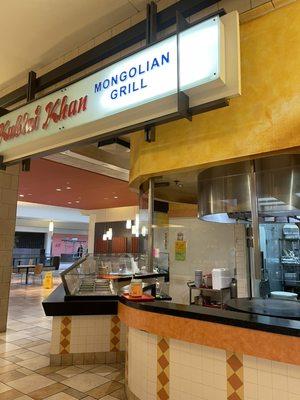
(21, 195)
(58, 189)
(115, 197)
(68, 188)
(29, 194)
(69, 202)
(77, 201)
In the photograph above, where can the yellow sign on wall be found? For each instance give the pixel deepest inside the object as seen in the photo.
(180, 250)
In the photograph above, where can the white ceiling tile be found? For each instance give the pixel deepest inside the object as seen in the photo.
(46, 30)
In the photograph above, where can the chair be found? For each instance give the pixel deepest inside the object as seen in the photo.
(16, 275)
(37, 273)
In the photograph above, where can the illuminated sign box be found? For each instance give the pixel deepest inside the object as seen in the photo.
(202, 62)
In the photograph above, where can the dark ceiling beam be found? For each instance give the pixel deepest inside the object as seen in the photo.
(122, 41)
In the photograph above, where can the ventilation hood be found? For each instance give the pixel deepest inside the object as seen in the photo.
(224, 192)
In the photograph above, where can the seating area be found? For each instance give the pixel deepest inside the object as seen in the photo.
(33, 271)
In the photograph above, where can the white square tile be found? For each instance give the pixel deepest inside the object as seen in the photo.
(264, 365)
(294, 385)
(280, 368)
(250, 375)
(251, 390)
(249, 361)
(280, 395)
(280, 382)
(264, 393)
(264, 378)
(294, 371)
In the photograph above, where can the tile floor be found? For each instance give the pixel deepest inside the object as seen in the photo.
(24, 358)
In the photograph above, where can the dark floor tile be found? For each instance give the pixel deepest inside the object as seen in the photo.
(47, 391)
(119, 394)
(11, 376)
(75, 393)
(11, 395)
(116, 376)
(105, 389)
(56, 377)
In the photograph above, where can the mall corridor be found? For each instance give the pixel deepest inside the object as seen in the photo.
(24, 358)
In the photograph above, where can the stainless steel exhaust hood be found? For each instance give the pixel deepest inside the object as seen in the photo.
(224, 192)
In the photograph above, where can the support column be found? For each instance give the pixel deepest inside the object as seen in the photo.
(91, 235)
(48, 243)
(9, 182)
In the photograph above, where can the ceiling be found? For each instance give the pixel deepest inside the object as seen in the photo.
(36, 32)
(52, 183)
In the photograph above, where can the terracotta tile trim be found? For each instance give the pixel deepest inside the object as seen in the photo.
(235, 376)
(126, 355)
(65, 335)
(255, 343)
(115, 330)
(163, 370)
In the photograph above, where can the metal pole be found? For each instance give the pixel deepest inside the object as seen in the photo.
(255, 223)
(151, 23)
(150, 223)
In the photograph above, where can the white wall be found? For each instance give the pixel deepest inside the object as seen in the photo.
(48, 213)
(209, 245)
(32, 217)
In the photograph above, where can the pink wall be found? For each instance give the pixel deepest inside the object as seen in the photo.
(61, 246)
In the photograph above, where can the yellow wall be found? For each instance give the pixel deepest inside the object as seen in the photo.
(265, 119)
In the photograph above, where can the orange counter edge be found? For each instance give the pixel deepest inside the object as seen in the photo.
(252, 342)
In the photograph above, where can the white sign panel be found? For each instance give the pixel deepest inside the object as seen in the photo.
(136, 89)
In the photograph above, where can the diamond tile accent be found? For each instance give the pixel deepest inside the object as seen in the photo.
(163, 345)
(163, 379)
(234, 362)
(162, 394)
(115, 340)
(235, 376)
(66, 321)
(234, 396)
(235, 381)
(115, 329)
(65, 332)
(163, 362)
(65, 335)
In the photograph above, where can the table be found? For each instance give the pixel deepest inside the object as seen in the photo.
(27, 267)
(222, 294)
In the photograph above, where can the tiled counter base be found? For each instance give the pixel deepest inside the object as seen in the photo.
(95, 339)
(162, 368)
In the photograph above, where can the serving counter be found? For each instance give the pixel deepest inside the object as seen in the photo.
(175, 351)
(191, 352)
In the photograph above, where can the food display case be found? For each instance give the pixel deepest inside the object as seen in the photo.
(83, 279)
(102, 276)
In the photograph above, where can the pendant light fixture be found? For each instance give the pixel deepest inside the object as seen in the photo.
(109, 234)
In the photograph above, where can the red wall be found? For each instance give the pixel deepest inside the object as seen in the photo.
(60, 246)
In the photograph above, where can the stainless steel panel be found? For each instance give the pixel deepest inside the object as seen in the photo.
(224, 193)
